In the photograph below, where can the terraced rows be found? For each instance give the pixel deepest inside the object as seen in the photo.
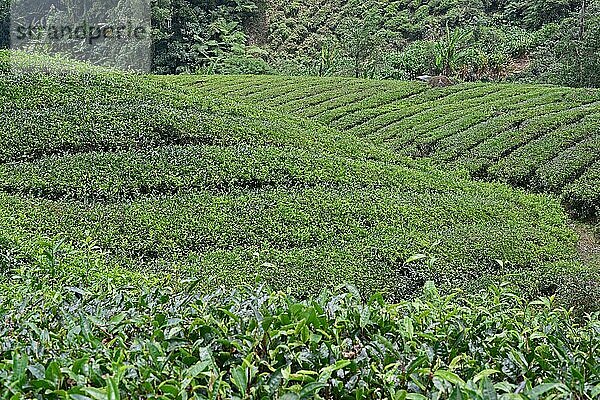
(156, 179)
(543, 138)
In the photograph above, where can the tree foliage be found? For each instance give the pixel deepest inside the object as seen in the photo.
(571, 55)
(533, 14)
(4, 24)
(388, 39)
(192, 35)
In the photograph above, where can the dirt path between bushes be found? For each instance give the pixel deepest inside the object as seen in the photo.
(589, 245)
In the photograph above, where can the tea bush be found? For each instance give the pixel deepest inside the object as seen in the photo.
(584, 192)
(537, 137)
(258, 343)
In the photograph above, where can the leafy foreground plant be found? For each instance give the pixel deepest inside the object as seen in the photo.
(260, 344)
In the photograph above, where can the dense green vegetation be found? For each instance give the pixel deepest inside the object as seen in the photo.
(543, 138)
(161, 179)
(262, 344)
(545, 41)
(138, 214)
(571, 54)
(209, 36)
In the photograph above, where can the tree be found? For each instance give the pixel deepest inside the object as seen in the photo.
(193, 34)
(582, 15)
(533, 14)
(359, 40)
(571, 54)
(4, 24)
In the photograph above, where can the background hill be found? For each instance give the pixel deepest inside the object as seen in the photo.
(529, 40)
(401, 39)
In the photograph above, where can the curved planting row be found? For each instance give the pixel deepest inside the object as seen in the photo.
(157, 178)
(540, 137)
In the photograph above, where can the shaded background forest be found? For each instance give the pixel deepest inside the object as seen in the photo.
(555, 41)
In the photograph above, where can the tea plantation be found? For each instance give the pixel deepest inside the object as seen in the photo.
(162, 180)
(543, 138)
(139, 214)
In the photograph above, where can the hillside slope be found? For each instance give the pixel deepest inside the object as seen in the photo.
(139, 175)
(543, 138)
